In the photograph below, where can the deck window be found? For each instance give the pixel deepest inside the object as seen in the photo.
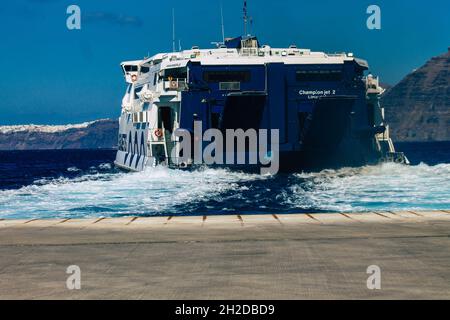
(319, 75)
(226, 76)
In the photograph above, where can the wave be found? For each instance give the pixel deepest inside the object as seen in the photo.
(387, 186)
(154, 191)
(157, 191)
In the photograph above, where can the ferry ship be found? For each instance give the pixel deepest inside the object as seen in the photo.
(325, 106)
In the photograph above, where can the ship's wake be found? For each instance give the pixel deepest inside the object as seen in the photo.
(385, 187)
(103, 191)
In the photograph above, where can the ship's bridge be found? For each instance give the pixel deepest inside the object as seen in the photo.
(136, 71)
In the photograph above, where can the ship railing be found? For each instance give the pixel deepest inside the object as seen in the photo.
(175, 85)
(372, 83)
(384, 135)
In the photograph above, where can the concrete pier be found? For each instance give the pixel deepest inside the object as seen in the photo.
(297, 256)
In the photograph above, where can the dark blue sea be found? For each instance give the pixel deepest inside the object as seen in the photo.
(84, 183)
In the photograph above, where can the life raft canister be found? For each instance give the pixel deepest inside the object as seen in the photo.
(158, 133)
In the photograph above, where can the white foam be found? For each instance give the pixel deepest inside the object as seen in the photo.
(105, 166)
(160, 190)
(154, 191)
(385, 187)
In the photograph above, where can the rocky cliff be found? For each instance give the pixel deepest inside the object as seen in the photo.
(418, 107)
(90, 135)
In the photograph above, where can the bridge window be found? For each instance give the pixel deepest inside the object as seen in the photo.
(319, 75)
(131, 68)
(226, 76)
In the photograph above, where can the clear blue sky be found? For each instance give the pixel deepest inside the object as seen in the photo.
(52, 75)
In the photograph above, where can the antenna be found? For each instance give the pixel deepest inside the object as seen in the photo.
(222, 43)
(223, 26)
(245, 18)
(173, 29)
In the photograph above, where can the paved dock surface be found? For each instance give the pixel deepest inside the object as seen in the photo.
(299, 256)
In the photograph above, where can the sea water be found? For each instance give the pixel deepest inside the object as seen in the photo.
(84, 183)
